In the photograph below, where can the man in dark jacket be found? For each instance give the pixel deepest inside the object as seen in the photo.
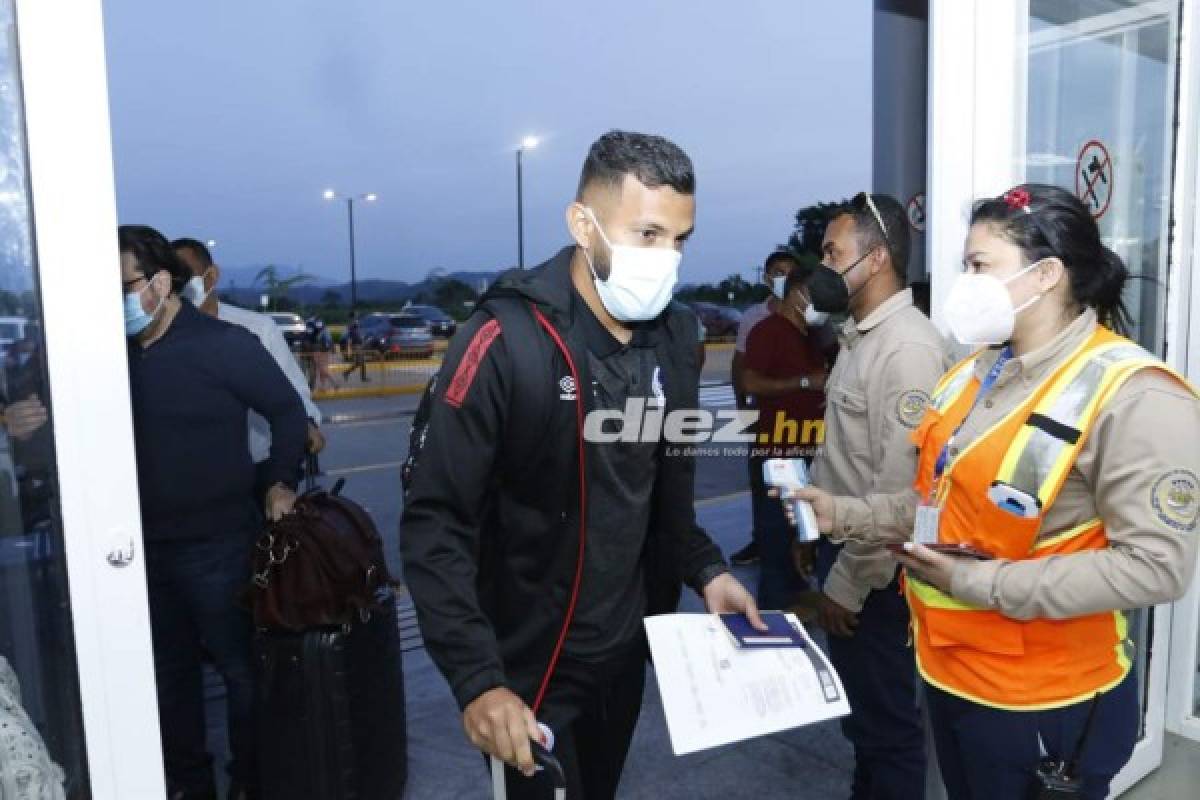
(192, 381)
(531, 549)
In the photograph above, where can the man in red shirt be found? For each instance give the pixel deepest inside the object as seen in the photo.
(786, 364)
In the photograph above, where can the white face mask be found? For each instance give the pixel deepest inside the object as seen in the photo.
(640, 279)
(194, 291)
(814, 317)
(777, 284)
(979, 309)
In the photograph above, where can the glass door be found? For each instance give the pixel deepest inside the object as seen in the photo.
(77, 709)
(1099, 107)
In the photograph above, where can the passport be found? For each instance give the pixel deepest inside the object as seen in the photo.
(781, 630)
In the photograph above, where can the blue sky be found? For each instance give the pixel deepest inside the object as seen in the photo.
(230, 118)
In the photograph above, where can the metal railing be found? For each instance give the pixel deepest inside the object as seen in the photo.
(332, 375)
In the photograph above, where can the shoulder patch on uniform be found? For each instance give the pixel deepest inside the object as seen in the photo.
(464, 376)
(910, 407)
(1175, 499)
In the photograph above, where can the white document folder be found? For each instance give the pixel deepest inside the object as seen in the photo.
(714, 693)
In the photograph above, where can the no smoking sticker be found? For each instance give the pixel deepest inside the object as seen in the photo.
(916, 212)
(1094, 177)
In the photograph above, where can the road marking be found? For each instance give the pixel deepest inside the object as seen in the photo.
(717, 396)
(721, 498)
(365, 468)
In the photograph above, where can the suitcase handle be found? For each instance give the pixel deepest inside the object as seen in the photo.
(544, 759)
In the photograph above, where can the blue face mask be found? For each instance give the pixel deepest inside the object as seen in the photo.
(136, 318)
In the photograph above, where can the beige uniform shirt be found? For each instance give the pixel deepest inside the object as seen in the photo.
(875, 397)
(1137, 472)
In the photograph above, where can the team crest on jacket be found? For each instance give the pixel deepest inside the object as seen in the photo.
(1175, 499)
(660, 397)
(910, 407)
(566, 388)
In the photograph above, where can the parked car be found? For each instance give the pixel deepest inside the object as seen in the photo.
(12, 329)
(717, 320)
(442, 323)
(292, 326)
(397, 335)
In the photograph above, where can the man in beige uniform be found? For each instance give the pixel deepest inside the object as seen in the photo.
(891, 358)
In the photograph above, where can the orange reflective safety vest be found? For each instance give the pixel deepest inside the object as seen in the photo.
(993, 496)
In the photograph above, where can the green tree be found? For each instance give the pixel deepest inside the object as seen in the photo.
(811, 222)
(276, 287)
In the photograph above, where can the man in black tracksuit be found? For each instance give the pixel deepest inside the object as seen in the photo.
(532, 546)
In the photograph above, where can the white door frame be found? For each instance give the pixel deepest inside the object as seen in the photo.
(1184, 353)
(976, 135)
(74, 212)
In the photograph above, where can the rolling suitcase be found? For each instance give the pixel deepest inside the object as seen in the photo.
(331, 712)
(331, 701)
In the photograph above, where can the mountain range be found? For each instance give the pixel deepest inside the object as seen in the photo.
(238, 284)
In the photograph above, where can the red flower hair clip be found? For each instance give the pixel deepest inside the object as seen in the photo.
(1018, 200)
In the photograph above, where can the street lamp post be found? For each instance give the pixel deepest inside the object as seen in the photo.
(528, 143)
(369, 197)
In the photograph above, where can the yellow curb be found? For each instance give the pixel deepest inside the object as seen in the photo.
(380, 366)
(379, 391)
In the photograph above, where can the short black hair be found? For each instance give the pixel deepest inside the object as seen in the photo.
(798, 278)
(892, 236)
(197, 247)
(653, 160)
(781, 254)
(153, 253)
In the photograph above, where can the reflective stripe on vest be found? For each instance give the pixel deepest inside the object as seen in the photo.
(953, 383)
(1047, 445)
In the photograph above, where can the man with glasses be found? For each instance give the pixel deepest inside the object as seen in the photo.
(192, 381)
(891, 356)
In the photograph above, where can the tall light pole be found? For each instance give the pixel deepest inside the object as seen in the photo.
(528, 143)
(369, 197)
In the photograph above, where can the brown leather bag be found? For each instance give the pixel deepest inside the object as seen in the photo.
(321, 564)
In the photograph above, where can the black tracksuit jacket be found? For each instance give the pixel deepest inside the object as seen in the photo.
(497, 483)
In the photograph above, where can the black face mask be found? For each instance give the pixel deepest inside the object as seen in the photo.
(828, 288)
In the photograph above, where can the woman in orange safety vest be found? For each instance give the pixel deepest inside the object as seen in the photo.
(1056, 489)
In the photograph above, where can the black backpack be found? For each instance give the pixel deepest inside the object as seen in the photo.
(521, 334)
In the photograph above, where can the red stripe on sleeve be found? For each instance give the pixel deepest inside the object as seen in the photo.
(464, 376)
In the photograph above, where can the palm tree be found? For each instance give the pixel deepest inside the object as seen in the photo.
(278, 287)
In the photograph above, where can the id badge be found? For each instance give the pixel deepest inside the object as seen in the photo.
(925, 530)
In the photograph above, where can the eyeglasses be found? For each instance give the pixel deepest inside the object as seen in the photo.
(863, 200)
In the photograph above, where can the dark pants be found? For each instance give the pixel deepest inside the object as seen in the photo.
(778, 582)
(194, 589)
(592, 711)
(879, 672)
(359, 362)
(991, 754)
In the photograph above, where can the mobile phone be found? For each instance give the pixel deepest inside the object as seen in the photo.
(957, 550)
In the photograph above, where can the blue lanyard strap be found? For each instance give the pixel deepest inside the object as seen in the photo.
(989, 381)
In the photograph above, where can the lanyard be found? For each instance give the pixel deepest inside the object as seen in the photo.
(989, 381)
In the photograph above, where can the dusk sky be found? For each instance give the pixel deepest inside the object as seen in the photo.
(231, 117)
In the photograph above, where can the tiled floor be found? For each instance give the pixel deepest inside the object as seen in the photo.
(1177, 779)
